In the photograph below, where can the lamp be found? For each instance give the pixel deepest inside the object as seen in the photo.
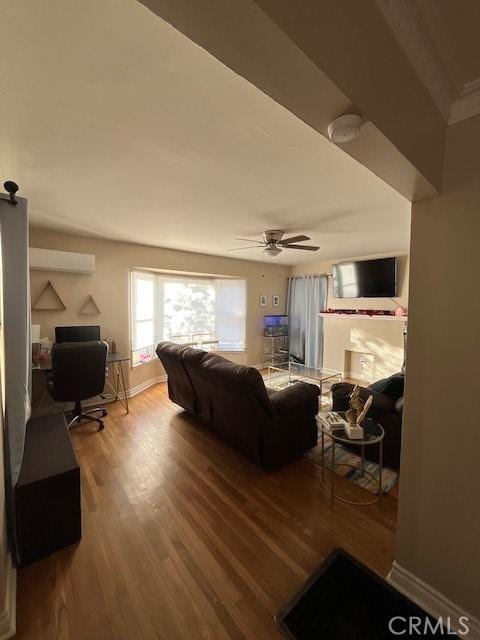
(272, 251)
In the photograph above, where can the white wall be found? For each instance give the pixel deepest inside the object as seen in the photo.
(439, 523)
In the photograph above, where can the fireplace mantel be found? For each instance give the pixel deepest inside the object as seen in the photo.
(364, 316)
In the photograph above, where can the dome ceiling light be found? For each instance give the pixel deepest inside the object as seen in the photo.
(345, 128)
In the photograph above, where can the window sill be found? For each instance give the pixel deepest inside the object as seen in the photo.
(139, 364)
(229, 351)
(153, 359)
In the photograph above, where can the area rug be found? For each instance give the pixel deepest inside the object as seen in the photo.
(345, 456)
(344, 600)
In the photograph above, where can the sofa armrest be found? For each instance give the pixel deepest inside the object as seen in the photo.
(296, 397)
(294, 430)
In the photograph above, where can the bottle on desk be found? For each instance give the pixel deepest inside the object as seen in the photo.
(113, 347)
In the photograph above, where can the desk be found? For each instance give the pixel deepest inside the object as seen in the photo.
(118, 388)
(117, 360)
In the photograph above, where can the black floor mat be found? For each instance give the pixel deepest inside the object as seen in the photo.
(344, 600)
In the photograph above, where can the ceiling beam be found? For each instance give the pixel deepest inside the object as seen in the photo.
(294, 55)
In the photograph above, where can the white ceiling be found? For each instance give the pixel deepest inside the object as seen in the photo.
(116, 125)
(454, 31)
(441, 40)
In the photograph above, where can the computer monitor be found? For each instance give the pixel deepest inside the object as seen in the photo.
(77, 333)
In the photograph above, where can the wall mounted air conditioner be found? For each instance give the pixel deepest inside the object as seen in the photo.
(52, 260)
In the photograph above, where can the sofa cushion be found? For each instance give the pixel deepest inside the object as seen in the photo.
(392, 387)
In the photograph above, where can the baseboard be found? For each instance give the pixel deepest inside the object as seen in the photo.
(431, 600)
(8, 614)
(133, 391)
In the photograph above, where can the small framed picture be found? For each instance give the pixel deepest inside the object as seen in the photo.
(276, 301)
(263, 300)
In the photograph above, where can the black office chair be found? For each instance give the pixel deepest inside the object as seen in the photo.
(78, 372)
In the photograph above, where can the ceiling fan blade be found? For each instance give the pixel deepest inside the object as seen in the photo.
(305, 247)
(293, 239)
(247, 240)
(249, 247)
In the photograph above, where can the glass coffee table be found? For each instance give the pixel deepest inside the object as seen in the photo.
(280, 376)
(373, 433)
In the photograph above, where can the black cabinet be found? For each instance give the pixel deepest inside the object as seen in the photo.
(47, 493)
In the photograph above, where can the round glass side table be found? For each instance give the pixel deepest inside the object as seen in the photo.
(373, 434)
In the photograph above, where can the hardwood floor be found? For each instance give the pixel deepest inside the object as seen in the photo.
(183, 538)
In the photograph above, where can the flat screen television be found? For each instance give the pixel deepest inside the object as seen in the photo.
(365, 279)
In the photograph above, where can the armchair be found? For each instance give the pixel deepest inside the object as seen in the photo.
(386, 409)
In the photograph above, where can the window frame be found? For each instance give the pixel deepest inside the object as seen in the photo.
(136, 274)
(156, 277)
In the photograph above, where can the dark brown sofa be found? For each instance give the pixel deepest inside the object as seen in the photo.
(269, 428)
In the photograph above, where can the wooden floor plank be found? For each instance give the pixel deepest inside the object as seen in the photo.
(183, 538)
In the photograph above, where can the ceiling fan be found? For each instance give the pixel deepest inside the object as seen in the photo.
(273, 243)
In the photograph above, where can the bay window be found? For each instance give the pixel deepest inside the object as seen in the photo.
(204, 312)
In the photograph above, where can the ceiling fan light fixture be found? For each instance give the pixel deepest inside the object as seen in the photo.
(274, 243)
(273, 251)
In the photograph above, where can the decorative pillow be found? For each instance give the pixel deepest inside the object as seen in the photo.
(391, 387)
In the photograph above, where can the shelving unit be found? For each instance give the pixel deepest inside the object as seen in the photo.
(48, 299)
(275, 350)
(89, 307)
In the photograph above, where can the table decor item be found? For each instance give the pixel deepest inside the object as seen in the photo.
(355, 415)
